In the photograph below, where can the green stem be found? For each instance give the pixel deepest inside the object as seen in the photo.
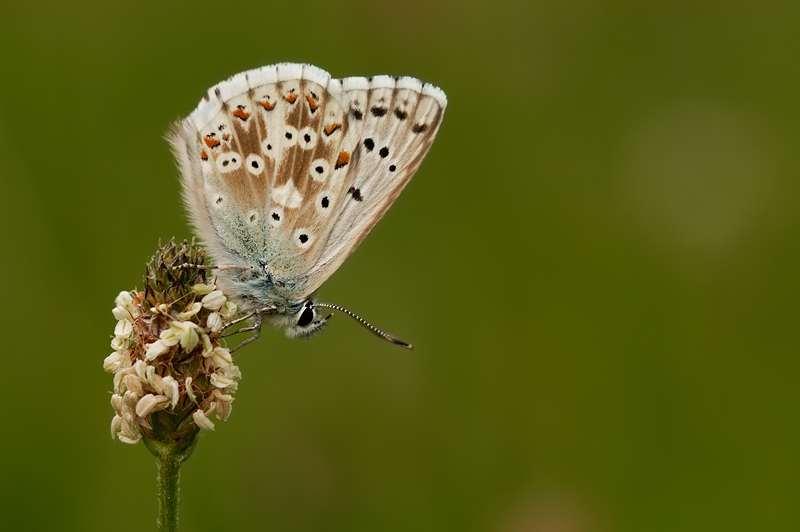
(169, 474)
(172, 442)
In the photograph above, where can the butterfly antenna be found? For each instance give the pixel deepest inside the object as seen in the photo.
(366, 324)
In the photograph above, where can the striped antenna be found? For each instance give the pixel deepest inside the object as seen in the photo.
(366, 324)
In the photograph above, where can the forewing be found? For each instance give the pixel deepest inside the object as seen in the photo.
(245, 155)
(285, 167)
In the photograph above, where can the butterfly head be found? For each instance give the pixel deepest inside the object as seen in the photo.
(307, 321)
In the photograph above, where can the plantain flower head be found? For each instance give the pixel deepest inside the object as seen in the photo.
(171, 371)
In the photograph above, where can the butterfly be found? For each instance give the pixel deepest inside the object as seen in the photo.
(285, 170)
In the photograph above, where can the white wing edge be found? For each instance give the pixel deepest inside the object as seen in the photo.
(239, 84)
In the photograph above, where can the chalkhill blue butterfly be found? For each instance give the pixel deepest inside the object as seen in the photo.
(285, 170)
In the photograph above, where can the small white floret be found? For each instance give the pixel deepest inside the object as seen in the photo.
(118, 403)
(121, 344)
(131, 399)
(141, 369)
(213, 300)
(194, 309)
(228, 310)
(156, 349)
(151, 403)
(134, 384)
(202, 421)
(214, 322)
(184, 332)
(203, 289)
(129, 441)
(116, 361)
(155, 380)
(221, 380)
(116, 424)
(171, 390)
(123, 329)
(121, 313)
(189, 390)
(124, 299)
(220, 356)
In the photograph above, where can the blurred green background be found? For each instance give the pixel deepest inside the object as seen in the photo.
(597, 264)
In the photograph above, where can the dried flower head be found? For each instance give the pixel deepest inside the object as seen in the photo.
(171, 372)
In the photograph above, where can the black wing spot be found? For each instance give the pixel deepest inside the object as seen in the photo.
(288, 135)
(225, 162)
(276, 216)
(356, 193)
(219, 200)
(325, 202)
(369, 144)
(269, 146)
(252, 217)
(303, 238)
(254, 164)
(358, 115)
(307, 137)
(379, 111)
(419, 128)
(392, 168)
(319, 169)
(400, 114)
(384, 152)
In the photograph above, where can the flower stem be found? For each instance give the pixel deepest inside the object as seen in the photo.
(170, 458)
(169, 474)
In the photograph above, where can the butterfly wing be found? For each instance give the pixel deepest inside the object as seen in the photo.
(390, 126)
(241, 162)
(286, 168)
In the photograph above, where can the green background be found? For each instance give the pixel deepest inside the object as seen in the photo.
(597, 264)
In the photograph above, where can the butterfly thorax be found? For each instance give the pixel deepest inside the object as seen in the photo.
(258, 288)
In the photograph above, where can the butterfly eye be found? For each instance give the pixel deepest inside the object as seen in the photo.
(306, 317)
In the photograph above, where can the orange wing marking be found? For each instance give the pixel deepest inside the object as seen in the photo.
(329, 129)
(343, 159)
(312, 103)
(240, 113)
(211, 142)
(266, 105)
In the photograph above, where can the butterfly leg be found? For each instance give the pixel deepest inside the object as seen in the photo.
(255, 314)
(255, 328)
